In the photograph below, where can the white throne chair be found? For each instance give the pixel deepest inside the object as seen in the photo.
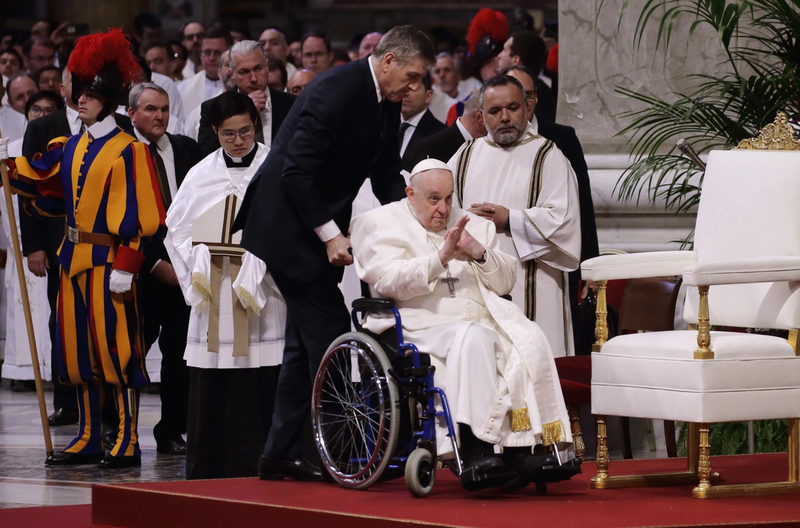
(744, 272)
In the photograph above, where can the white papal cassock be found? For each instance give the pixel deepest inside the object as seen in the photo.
(239, 316)
(18, 364)
(494, 364)
(534, 180)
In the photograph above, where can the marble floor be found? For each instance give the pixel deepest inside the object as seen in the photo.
(26, 482)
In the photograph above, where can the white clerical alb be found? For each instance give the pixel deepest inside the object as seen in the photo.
(239, 316)
(494, 364)
(534, 180)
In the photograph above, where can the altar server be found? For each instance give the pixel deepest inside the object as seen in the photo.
(236, 329)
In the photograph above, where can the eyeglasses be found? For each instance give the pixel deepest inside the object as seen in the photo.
(245, 133)
(37, 110)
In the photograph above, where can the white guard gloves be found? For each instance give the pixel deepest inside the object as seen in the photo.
(3, 149)
(120, 281)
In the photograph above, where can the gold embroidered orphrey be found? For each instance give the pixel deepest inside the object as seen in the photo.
(778, 135)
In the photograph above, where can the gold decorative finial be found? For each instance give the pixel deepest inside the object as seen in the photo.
(779, 135)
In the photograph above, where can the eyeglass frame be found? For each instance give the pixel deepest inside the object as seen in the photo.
(246, 136)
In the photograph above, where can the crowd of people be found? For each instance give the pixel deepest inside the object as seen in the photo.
(201, 136)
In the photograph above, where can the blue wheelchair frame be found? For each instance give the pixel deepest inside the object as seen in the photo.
(424, 384)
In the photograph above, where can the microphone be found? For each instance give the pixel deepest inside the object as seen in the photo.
(689, 152)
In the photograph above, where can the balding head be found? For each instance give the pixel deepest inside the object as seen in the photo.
(368, 44)
(298, 81)
(430, 194)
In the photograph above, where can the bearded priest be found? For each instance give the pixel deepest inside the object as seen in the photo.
(524, 184)
(494, 364)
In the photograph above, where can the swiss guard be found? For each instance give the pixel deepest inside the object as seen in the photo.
(105, 185)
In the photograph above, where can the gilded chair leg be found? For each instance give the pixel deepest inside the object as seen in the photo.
(692, 447)
(704, 463)
(794, 450)
(577, 434)
(599, 481)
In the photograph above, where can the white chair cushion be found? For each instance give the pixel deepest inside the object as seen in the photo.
(654, 375)
(637, 265)
(681, 344)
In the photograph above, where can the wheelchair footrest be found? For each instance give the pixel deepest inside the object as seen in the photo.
(472, 480)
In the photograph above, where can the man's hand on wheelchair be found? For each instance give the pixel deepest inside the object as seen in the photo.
(338, 251)
(459, 244)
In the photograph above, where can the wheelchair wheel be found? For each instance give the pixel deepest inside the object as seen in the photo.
(420, 473)
(356, 411)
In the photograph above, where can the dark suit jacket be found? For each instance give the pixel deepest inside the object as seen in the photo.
(546, 105)
(440, 146)
(336, 135)
(567, 142)
(187, 154)
(209, 142)
(427, 126)
(40, 233)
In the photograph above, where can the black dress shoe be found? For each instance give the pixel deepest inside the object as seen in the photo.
(72, 459)
(541, 468)
(23, 386)
(112, 462)
(172, 446)
(110, 439)
(486, 472)
(272, 469)
(63, 417)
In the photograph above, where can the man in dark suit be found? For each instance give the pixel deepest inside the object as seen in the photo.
(342, 130)
(166, 314)
(418, 121)
(443, 145)
(526, 48)
(42, 236)
(249, 72)
(567, 142)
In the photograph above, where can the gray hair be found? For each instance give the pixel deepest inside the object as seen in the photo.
(502, 80)
(138, 89)
(407, 43)
(448, 55)
(473, 103)
(244, 47)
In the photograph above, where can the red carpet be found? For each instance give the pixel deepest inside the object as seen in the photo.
(249, 502)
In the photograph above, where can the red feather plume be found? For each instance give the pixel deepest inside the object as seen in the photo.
(92, 52)
(487, 21)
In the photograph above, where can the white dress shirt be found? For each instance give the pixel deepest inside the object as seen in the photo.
(73, 120)
(463, 130)
(329, 230)
(412, 126)
(266, 120)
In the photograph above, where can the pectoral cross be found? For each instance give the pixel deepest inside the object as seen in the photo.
(451, 284)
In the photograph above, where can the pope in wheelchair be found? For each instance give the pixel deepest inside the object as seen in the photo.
(441, 360)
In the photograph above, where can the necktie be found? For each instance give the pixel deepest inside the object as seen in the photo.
(402, 134)
(162, 175)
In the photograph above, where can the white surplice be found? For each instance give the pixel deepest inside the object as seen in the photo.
(206, 184)
(18, 364)
(494, 364)
(534, 180)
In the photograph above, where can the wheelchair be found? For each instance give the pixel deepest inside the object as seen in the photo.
(373, 408)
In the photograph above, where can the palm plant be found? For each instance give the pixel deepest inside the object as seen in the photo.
(758, 77)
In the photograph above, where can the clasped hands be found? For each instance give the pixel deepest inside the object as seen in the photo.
(459, 244)
(496, 213)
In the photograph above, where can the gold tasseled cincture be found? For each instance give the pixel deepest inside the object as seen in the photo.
(553, 433)
(520, 420)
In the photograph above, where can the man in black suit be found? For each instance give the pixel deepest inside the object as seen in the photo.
(443, 145)
(249, 71)
(418, 122)
(42, 236)
(166, 314)
(526, 48)
(342, 130)
(567, 142)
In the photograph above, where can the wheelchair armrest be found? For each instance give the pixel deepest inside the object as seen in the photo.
(373, 305)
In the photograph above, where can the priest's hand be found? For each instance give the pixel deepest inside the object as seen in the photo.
(165, 273)
(259, 99)
(338, 251)
(38, 264)
(496, 213)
